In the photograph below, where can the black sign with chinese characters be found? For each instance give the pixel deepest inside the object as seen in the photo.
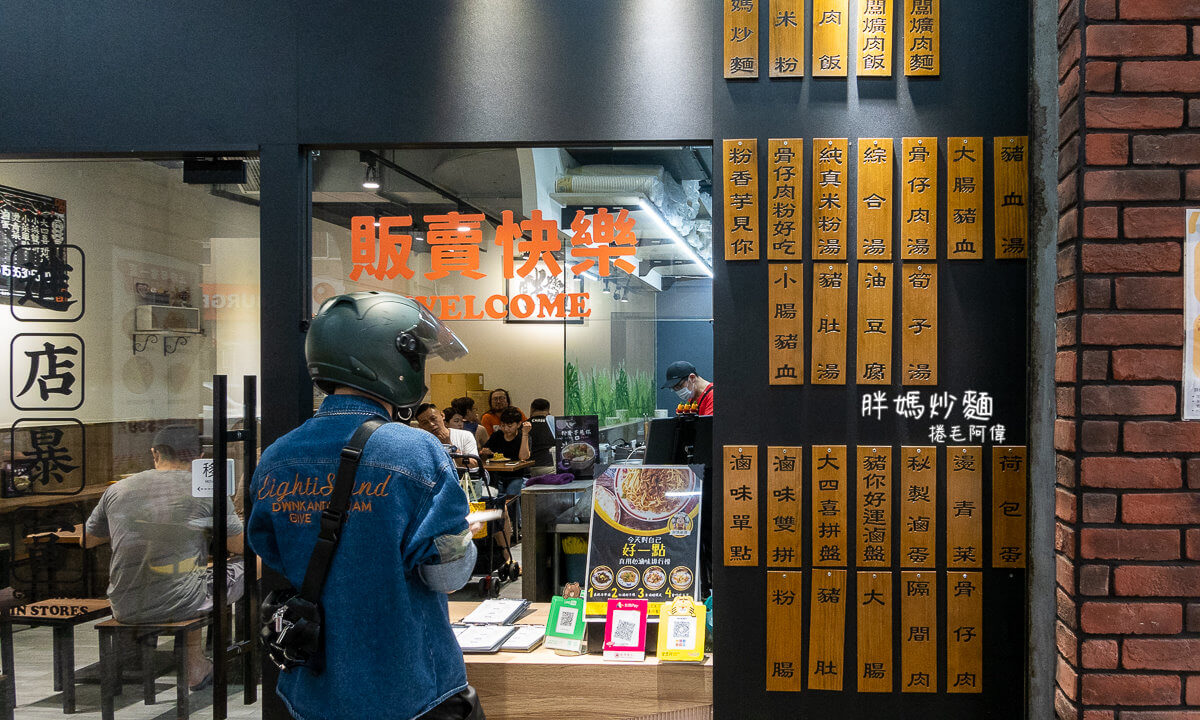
(578, 444)
(42, 274)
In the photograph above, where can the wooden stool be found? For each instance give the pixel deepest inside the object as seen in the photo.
(61, 614)
(110, 661)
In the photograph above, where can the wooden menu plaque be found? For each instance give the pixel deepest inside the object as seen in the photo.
(829, 324)
(874, 357)
(785, 216)
(875, 614)
(827, 630)
(785, 630)
(786, 54)
(1009, 510)
(785, 488)
(741, 199)
(918, 507)
(829, 527)
(785, 325)
(741, 504)
(919, 199)
(964, 632)
(964, 198)
(829, 193)
(874, 506)
(918, 632)
(918, 305)
(874, 38)
(964, 506)
(1011, 193)
(875, 193)
(831, 38)
(922, 37)
(741, 39)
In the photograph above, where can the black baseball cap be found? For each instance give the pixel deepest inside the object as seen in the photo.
(677, 371)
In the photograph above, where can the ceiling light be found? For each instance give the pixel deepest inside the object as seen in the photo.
(674, 235)
(464, 228)
(371, 180)
(605, 289)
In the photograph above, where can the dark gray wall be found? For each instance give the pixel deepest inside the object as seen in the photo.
(134, 76)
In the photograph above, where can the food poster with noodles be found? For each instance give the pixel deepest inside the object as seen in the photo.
(645, 536)
(577, 441)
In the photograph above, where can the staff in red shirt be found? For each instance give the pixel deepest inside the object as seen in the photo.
(682, 379)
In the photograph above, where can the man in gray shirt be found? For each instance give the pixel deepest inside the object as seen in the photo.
(160, 543)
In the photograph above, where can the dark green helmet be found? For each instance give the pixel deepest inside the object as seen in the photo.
(376, 342)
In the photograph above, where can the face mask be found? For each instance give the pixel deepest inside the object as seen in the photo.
(684, 393)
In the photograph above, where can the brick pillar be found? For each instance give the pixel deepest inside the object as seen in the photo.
(1128, 494)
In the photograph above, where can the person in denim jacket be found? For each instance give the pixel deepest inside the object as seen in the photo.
(389, 650)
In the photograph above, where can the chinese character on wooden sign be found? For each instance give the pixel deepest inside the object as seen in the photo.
(829, 324)
(874, 355)
(741, 199)
(964, 198)
(741, 38)
(875, 198)
(785, 325)
(874, 506)
(919, 196)
(964, 632)
(741, 504)
(785, 631)
(829, 528)
(875, 38)
(918, 632)
(827, 630)
(874, 619)
(1011, 191)
(784, 506)
(830, 184)
(919, 318)
(922, 37)
(1009, 512)
(786, 38)
(918, 507)
(831, 38)
(784, 214)
(964, 506)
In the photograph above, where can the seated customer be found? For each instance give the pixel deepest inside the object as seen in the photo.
(511, 440)
(453, 418)
(541, 438)
(498, 401)
(160, 537)
(430, 420)
(465, 406)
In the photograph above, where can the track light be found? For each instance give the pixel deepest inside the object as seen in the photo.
(371, 180)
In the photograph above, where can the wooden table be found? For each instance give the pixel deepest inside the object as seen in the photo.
(65, 537)
(542, 685)
(507, 466)
(90, 492)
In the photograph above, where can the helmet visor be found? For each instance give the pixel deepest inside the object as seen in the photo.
(437, 338)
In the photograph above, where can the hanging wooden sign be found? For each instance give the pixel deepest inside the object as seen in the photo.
(918, 507)
(829, 527)
(827, 630)
(874, 506)
(919, 199)
(831, 37)
(786, 53)
(1011, 190)
(1009, 510)
(918, 632)
(875, 38)
(785, 630)
(875, 614)
(964, 506)
(741, 199)
(741, 504)
(922, 37)
(874, 355)
(785, 326)
(918, 305)
(741, 39)
(964, 198)
(875, 195)
(829, 185)
(829, 324)
(964, 632)
(785, 229)
(784, 506)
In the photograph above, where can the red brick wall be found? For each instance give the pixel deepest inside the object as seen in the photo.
(1128, 493)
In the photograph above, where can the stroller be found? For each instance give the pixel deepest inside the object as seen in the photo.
(494, 563)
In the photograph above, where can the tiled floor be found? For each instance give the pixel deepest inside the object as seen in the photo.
(37, 700)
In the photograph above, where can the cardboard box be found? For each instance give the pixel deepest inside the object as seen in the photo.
(444, 387)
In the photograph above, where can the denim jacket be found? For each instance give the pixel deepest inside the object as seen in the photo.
(389, 649)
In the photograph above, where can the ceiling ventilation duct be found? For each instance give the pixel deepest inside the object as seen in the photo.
(679, 204)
